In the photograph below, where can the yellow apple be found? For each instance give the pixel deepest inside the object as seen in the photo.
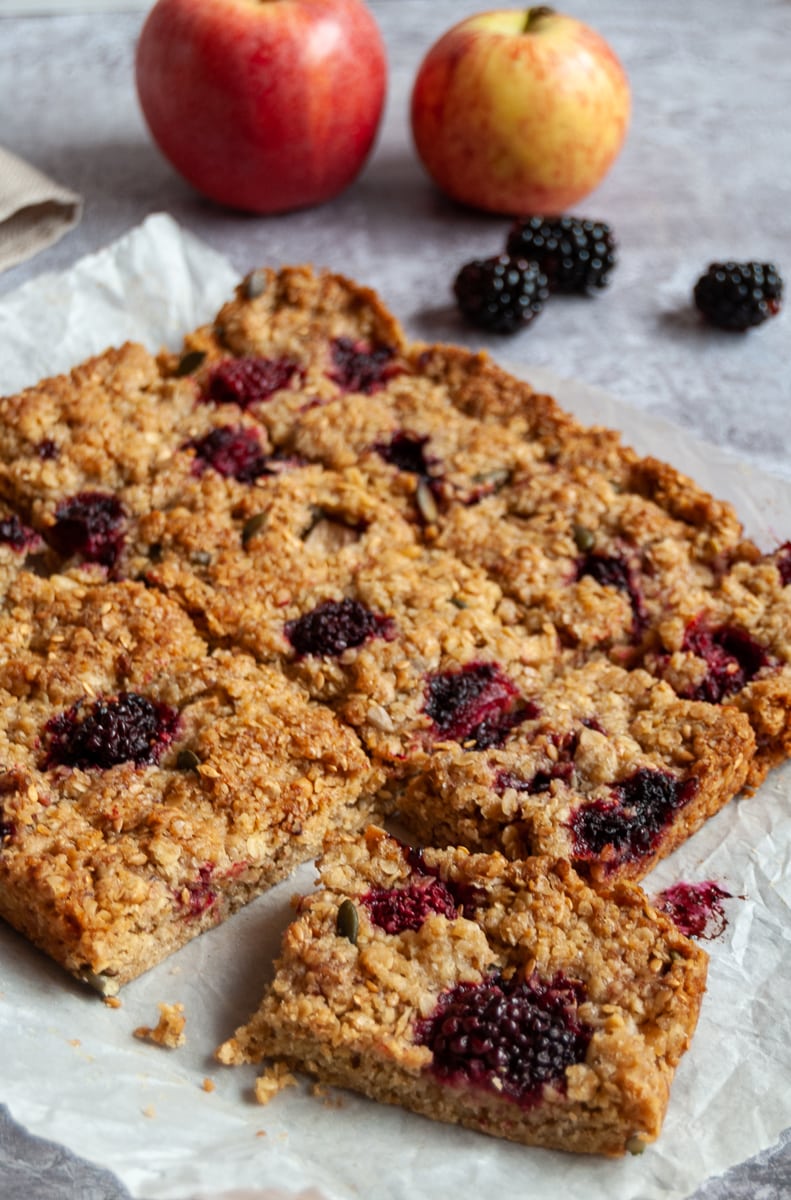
(520, 111)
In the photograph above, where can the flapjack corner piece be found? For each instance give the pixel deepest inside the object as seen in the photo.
(506, 997)
(149, 788)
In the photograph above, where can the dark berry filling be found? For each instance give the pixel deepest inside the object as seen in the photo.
(540, 782)
(478, 704)
(560, 767)
(233, 452)
(632, 823)
(783, 563)
(47, 449)
(509, 1036)
(696, 908)
(16, 535)
(246, 381)
(397, 909)
(336, 625)
(127, 728)
(7, 828)
(361, 367)
(464, 895)
(731, 655)
(611, 570)
(90, 524)
(198, 895)
(407, 452)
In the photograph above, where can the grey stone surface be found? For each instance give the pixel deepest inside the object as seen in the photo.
(706, 174)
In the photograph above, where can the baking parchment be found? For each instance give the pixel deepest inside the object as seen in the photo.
(70, 1068)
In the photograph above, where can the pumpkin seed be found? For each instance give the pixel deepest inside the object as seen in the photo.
(252, 526)
(187, 761)
(189, 362)
(201, 558)
(347, 922)
(635, 1145)
(457, 602)
(498, 477)
(584, 538)
(254, 285)
(426, 504)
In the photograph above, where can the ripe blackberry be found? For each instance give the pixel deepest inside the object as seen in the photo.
(336, 625)
(575, 255)
(124, 728)
(509, 1036)
(500, 294)
(735, 295)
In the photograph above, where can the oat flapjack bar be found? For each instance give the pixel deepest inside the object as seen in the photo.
(430, 578)
(507, 997)
(150, 788)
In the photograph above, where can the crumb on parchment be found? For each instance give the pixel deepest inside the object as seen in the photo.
(273, 1080)
(169, 1030)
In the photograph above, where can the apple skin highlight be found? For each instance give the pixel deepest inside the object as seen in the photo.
(264, 107)
(514, 120)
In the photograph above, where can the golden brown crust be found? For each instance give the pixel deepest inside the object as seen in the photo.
(485, 529)
(350, 1013)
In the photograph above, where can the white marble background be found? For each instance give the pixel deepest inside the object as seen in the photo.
(706, 173)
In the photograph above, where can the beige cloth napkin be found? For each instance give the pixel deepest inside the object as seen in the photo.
(34, 211)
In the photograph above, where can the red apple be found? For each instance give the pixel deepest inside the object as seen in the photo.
(263, 105)
(520, 111)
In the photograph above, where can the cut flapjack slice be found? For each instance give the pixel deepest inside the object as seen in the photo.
(507, 997)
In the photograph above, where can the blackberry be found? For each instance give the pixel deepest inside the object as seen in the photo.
(396, 909)
(90, 524)
(250, 380)
(477, 704)
(125, 728)
(360, 366)
(500, 294)
(612, 570)
(509, 1036)
(575, 255)
(632, 822)
(234, 453)
(336, 625)
(731, 655)
(735, 295)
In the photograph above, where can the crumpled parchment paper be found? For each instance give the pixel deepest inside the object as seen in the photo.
(70, 1068)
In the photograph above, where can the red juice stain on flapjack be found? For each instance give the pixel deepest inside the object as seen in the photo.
(399, 908)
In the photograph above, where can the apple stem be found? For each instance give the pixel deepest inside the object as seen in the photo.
(533, 15)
